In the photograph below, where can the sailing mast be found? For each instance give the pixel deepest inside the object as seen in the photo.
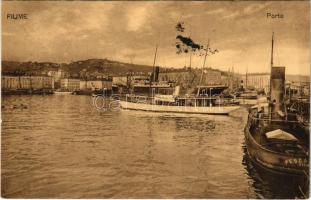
(152, 78)
(271, 61)
(272, 43)
(246, 77)
(154, 61)
(206, 51)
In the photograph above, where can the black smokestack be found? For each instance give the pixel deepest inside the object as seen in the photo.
(277, 88)
(156, 75)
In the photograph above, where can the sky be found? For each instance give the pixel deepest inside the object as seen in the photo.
(66, 31)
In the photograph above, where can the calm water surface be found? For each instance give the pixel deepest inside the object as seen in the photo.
(60, 146)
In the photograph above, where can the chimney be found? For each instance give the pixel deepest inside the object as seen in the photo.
(277, 88)
(157, 71)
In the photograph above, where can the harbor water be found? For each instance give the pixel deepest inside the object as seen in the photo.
(62, 147)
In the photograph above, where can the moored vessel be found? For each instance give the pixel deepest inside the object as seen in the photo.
(163, 97)
(179, 104)
(273, 135)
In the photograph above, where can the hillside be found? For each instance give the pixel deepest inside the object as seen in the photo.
(96, 67)
(101, 66)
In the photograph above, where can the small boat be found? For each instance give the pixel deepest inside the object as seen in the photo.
(62, 92)
(273, 135)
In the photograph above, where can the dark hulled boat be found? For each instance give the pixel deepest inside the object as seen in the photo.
(274, 138)
(276, 145)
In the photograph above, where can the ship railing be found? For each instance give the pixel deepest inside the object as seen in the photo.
(191, 100)
(151, 99)
(187, 98)
(138, 98)
(265, 117)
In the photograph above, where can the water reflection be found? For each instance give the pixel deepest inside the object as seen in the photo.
(61, 147)
(271, 184)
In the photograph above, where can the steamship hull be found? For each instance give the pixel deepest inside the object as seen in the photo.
(213, 110)
(290, 163)
(273, 140)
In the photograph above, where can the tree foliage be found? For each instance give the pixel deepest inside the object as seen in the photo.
(185, 44)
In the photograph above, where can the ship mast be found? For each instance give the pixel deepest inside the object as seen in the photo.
(154, 61)
(206, 51)
(270, 109)
(271, 61)
(246, 78)
(152, 78)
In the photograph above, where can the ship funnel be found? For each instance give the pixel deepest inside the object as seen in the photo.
(277, 88)
(155, 74)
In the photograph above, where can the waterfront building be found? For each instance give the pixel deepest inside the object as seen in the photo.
(256, 80)
(9, 82)
(186, 77)
(211, 77)
(57, 75)
(120, 80)
(27, 82)
(41, 82)
(262, 80)
(95, 84)
(298, 89)
(70, 84)
(99, 84)
(130, 80)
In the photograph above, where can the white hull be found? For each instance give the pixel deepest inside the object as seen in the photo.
(259, 100)
(62, 93)
(217, 110)
(248, 101)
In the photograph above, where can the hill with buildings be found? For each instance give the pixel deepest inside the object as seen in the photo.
(90, 66)
(99, 67)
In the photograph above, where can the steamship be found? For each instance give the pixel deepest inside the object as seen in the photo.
(273, 135)
(208, 101)
(163, 97)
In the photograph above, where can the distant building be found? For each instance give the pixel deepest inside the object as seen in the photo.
(120, 80)
(298, 88)
(99, 84)
(211, 77)
(256, 80)
(57, 75)
(233, 82)
(10, 82)
(70, 84)
(27, 82)
(130, 79)
(39, 82)
(186, 77)
(95, 84)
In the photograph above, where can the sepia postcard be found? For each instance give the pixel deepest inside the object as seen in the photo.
(155, 99)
